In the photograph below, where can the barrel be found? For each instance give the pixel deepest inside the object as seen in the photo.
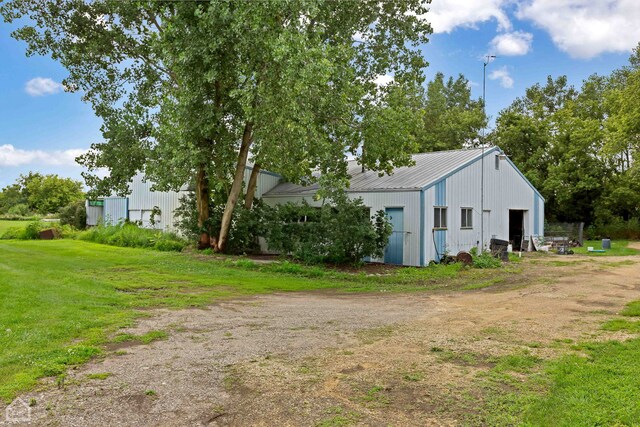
(606, 243)
(499, 248)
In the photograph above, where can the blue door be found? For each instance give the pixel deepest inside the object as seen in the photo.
(393, 253)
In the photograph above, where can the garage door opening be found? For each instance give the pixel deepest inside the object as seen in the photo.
(516, 228)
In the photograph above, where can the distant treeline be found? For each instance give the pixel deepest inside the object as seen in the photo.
(39, 194)
(578, 147)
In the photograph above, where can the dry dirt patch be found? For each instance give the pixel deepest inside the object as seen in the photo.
(326, 359)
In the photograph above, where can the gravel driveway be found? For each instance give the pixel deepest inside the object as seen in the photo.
(309, 358)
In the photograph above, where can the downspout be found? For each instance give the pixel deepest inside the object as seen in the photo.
(422, 225)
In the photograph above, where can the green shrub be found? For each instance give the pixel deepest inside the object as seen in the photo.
(75, 215)
(486, 260)
(614, 228)
(132, 236)
(64, 231)
(13, 233)
(341, 232)
(30, 232)
(169, 242)
(19, 210)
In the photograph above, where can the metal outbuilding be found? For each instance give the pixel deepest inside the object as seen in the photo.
(438, 205)
(142, 203)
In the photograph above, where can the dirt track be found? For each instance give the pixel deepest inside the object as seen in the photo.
(301, 359)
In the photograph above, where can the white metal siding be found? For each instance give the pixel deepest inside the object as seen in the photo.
(94, 214)
(410, 201)
(504, 189)
(266, 181)
(142, 200)
(115, 210)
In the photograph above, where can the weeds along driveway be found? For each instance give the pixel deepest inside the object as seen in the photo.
(334, 359)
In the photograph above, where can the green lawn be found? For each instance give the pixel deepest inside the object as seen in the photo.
(594, 384)
(61, 299)
(618, 248)
(598, 388)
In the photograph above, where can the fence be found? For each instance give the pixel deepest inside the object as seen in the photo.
(573, 231)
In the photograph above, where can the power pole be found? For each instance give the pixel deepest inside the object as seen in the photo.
(486, 62)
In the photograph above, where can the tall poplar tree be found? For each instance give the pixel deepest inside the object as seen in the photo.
(190, 91)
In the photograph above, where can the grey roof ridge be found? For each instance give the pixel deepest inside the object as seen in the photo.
(310, 190)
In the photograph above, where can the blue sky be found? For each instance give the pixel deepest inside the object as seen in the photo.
(42, 128)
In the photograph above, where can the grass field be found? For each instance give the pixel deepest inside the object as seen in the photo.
(594, 384)
(618, 248)
(60, 300)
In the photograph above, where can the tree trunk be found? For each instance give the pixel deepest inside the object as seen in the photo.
(202, 203)
(251, 186)
(236, 188)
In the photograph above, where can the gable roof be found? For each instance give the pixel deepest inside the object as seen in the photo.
(428, 169)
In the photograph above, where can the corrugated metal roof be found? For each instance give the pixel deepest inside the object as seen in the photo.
(428, 168)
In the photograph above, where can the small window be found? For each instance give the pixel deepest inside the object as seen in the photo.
(96, 202)
(466, 218)
(497, 162)
(440, 217)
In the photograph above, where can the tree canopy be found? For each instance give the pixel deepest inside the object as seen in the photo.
(39, 193)
(452, 119)
(577, 145)
(191, 91)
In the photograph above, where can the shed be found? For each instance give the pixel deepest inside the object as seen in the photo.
(439, 205)
(142, 203)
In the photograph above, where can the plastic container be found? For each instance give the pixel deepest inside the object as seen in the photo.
(606, 243)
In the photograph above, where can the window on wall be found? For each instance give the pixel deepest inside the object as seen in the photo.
(466, 218)
(497, 162)
(439, 217)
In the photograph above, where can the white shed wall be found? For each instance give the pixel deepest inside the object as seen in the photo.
(95, 214)
(266, 181)
(142, 200)
(410, 202)
(504, 189)
(115, 210)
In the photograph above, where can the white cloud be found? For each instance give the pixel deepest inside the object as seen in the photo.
(511, 44)
(360, 37)
(587, 28)
(383, 79)
(447, 15)
(41, 86)
(12, 156)
(503, 75)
